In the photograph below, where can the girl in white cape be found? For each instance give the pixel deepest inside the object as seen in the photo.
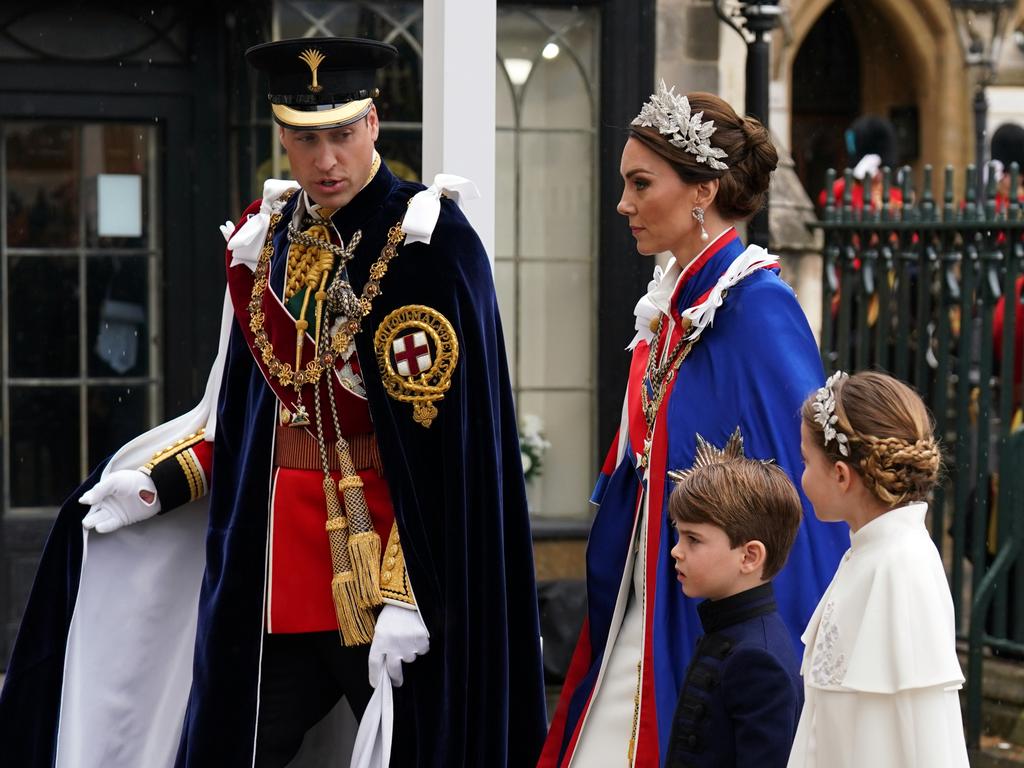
(880, 669)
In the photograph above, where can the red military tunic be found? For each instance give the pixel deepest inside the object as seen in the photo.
(298, 589)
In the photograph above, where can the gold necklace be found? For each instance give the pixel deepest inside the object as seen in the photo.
(340, 341)
(631, 751)
(659, 377)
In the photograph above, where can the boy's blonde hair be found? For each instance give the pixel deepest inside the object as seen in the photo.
(746, 498)
(889, 433)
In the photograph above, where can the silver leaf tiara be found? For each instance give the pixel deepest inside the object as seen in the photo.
(669, 112)
(824, 406)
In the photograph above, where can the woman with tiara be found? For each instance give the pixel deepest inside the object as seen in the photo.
(721, 344)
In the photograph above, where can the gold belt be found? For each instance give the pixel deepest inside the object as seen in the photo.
(295, 448)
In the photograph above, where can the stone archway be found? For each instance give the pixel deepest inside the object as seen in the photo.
(908, 57)
(819, 110)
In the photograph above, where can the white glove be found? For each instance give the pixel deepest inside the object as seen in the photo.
(400, 635)
(115, 501)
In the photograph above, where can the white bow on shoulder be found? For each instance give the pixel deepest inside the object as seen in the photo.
(246, 243)
(425, 207)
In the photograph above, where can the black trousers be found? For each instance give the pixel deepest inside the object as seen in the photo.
(303, 677)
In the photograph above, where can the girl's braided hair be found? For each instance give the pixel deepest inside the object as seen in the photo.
(890, 435)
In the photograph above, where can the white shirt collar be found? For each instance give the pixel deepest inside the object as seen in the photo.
(305, 207)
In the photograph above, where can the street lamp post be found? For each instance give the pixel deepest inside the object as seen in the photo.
(980, 105)
(981, 25)
(754, 21)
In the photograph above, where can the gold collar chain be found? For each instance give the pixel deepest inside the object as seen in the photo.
(659, 377)
(340, 341)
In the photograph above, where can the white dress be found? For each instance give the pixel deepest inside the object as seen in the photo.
(608, 727)
(880, 669)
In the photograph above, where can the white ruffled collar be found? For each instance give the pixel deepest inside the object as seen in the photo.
(662, 293)
(661, 290)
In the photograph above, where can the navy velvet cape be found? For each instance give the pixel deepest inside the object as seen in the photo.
(477, 696)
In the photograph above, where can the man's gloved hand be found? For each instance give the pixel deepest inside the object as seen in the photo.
(400, 635)
(227, 229)
(121, 498)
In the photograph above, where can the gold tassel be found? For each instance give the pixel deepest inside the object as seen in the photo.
(363, 542)
(355, 620)
(337, 529)
(364, 551)
(354, 623)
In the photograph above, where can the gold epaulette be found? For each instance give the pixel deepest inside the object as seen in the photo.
(394, 579)
(174, 448)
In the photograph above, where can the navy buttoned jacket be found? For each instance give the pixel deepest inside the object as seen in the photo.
(741, 699)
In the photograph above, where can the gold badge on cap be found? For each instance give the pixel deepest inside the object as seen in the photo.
(313, 59)
(416, 352)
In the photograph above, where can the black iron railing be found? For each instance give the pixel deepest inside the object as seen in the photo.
(912, 285)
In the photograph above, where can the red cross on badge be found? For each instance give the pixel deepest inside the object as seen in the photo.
(412, 353)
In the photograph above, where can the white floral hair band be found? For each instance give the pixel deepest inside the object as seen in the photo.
(824, 406)
(669, 112)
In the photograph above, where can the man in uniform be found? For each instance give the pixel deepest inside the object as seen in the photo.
(355, 473)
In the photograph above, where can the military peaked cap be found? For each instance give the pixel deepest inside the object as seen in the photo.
(320, 82)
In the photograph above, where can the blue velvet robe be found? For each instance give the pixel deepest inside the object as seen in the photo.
(477, 696)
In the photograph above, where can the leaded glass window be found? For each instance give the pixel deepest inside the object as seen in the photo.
(80, 260)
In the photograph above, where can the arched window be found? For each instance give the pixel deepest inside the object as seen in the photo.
(546, 256)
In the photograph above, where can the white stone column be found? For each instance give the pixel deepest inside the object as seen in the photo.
(459, 41)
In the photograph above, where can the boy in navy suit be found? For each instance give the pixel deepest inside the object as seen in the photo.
(736, 519)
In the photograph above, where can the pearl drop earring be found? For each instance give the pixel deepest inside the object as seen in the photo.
(698, 214)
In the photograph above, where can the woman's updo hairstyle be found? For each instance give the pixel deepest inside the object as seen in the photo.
(890, 436)
(750, 155)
